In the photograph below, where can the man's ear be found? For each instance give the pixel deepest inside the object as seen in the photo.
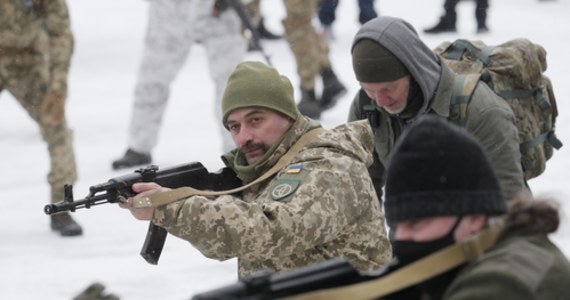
(476, 222)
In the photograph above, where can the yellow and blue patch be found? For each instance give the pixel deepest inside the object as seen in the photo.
(294, 169)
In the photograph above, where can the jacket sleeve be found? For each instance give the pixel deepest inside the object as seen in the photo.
(376, 170)
(320, 208)
(493, 123)
(57, 24)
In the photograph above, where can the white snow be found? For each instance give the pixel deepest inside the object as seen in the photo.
(38, 264)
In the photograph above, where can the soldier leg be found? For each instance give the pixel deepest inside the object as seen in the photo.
(447, 22)
(367, 11)
(304, 44)
(481, 15)
(167, 44)
(225, 47)
(26, 77)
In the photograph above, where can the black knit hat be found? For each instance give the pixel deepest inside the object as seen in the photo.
(439, 169)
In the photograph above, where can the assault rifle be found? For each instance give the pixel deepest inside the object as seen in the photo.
(334, 273)
(118, 189)
(246, 20)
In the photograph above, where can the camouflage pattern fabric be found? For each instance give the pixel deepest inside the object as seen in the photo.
(321, 206)
(514, 70)
(173, 27)
(36, 45)
(310, 49)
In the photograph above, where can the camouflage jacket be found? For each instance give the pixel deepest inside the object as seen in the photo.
(518, 267)
(41, 27)
(322, 205)
(489, 118)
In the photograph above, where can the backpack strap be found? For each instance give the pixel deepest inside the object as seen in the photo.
(463, 87)
(415, 273)
(368, 110)
(458, 48)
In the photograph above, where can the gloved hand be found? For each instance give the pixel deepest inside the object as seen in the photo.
(52, 109)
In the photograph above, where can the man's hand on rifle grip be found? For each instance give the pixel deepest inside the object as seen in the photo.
(142, 189)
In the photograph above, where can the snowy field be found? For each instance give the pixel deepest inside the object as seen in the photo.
(38, 264)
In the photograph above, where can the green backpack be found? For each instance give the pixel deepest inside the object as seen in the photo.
(514, 70)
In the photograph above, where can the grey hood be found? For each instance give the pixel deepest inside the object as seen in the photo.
(402, 40)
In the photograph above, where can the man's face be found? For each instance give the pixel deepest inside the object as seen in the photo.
(255, 130)
(429, 229)
(392, 96)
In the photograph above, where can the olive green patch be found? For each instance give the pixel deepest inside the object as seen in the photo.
(284, 187)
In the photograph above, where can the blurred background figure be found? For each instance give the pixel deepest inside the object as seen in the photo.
(253, 8)
(327, 14)
(36, 45)
(448, 21)
(311, 54)
(173, 26)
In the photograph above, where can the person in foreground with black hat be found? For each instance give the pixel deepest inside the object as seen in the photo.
(402, 79)
(307, 194)
(442, 192)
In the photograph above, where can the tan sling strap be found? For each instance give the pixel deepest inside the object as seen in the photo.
(174, 195)
(412, 274)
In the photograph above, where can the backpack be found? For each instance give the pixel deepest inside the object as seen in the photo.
(514, 70)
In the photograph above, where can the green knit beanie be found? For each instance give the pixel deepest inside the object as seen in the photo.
(255, 84)
(372, 62)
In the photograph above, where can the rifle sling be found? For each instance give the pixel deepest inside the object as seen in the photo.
(412, 274)
(181, 193)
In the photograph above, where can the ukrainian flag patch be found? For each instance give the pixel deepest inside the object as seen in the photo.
(294, 169)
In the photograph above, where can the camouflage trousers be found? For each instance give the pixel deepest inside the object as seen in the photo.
(25, 75)
(309, 48)
(173, 27)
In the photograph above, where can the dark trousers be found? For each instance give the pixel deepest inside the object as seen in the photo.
(327, 11)
(480, 11)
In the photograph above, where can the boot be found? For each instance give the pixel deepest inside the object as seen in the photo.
(131, 159)
(446, 24)
(66, 226)
(264, 33)
(333, 90)
(95, 291)
(308, 105)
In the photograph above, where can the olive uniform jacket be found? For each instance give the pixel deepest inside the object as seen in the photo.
(518, 267)
(320, 206)
(489, 118)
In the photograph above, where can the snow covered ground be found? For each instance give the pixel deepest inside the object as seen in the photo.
(38, 264)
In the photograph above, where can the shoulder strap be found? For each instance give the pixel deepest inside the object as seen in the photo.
(178, 194)
(463, 87)
(412, 274)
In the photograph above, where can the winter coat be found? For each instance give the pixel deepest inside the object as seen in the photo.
(320, 206)
(517, 267)
(489, 118)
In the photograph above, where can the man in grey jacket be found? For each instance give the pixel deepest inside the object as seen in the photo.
(402, 79)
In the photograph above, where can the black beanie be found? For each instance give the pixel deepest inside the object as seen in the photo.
(372, 62)
(439, 169)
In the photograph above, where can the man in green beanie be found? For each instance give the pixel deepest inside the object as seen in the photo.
(401, 79)
(318, 204)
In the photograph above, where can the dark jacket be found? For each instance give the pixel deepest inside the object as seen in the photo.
(518, 267)
(489, 118)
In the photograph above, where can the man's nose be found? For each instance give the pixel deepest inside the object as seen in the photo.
(380, 98)
(245, 135)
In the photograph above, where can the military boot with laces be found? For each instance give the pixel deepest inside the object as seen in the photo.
(308, 105)
(65, 225)
(333, 90)
(446, 24)
(132, 158)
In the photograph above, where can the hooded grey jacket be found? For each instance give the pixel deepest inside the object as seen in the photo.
(489, 118)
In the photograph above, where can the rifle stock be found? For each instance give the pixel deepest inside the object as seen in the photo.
(118, 189)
